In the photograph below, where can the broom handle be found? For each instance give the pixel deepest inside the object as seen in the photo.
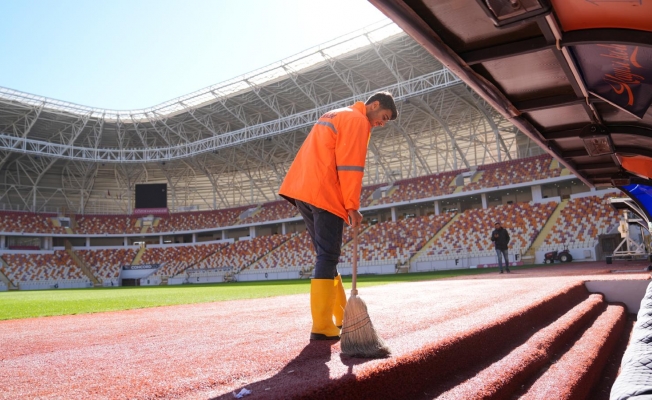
(354, 279)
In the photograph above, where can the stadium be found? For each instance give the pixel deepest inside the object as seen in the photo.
(185, 195)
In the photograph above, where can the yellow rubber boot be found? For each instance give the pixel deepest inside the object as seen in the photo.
(340, 301)
(322, 297)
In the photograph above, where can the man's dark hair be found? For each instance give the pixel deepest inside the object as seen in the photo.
(386, 101)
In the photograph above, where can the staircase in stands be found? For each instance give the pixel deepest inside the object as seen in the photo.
(180, 274)
(82, 264)
(4, 278)
(432, 240)
(529, 255)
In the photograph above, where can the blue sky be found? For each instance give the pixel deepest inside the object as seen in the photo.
(129, 54)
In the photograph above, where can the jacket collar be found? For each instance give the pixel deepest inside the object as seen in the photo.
(360, 107)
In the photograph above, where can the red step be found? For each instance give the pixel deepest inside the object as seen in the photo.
(506, 376)
(577, 371)
(410, 375)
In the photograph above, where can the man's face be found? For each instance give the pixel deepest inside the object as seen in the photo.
(497, 226)
(378, 116)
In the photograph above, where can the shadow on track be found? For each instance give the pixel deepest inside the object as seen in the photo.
(301, 377)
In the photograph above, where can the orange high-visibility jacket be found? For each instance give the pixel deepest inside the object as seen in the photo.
(327, 171)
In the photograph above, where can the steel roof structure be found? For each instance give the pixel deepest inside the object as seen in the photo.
(230, 144)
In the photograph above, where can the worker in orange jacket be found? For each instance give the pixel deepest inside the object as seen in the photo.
(324, 182)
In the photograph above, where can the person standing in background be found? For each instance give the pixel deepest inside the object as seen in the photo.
(500, 237)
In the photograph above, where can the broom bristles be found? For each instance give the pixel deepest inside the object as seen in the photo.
(359, 338)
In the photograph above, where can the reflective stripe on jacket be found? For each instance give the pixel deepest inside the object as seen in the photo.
(327, 171)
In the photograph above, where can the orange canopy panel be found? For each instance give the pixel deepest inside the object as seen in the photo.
(639, 165)
(589, 14)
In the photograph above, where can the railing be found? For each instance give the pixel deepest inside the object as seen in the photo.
(3, 278)
(81, 263)
(464, 254)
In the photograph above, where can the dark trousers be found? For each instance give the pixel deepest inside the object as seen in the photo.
(325, 230)
(504, 255)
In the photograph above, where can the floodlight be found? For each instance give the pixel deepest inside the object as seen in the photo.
(621, 179)
(508, 12)
(597, 140)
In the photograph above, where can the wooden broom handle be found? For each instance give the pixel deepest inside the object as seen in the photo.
(354, 279)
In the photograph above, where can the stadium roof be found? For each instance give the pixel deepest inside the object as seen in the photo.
(231, 143)
(221, 91)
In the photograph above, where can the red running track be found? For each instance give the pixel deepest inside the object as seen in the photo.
(211, 350)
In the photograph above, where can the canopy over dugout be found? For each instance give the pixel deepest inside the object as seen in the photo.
(575, 76)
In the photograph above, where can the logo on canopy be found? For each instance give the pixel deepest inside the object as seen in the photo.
(619, 74)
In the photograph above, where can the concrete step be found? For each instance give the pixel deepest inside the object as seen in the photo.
(602, 389)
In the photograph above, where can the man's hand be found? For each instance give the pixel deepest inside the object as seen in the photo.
(355, 218)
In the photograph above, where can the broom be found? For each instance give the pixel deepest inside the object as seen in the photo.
(359, 338)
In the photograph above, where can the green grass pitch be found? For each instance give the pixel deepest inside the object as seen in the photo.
(42, 303)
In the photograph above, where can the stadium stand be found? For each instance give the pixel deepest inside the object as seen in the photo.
(386, 241)
(395, 241)
(366, 194)
(492, 175)
(197, 220)
(13, 221)
(176, 259)
(513, 171)
(470, 232)
(105, 264)
(297, 252)
(241, 254)
(106, 224)
(347, 235)
(273, 211)
(421, 187)
(581, 222)
(26, 267)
